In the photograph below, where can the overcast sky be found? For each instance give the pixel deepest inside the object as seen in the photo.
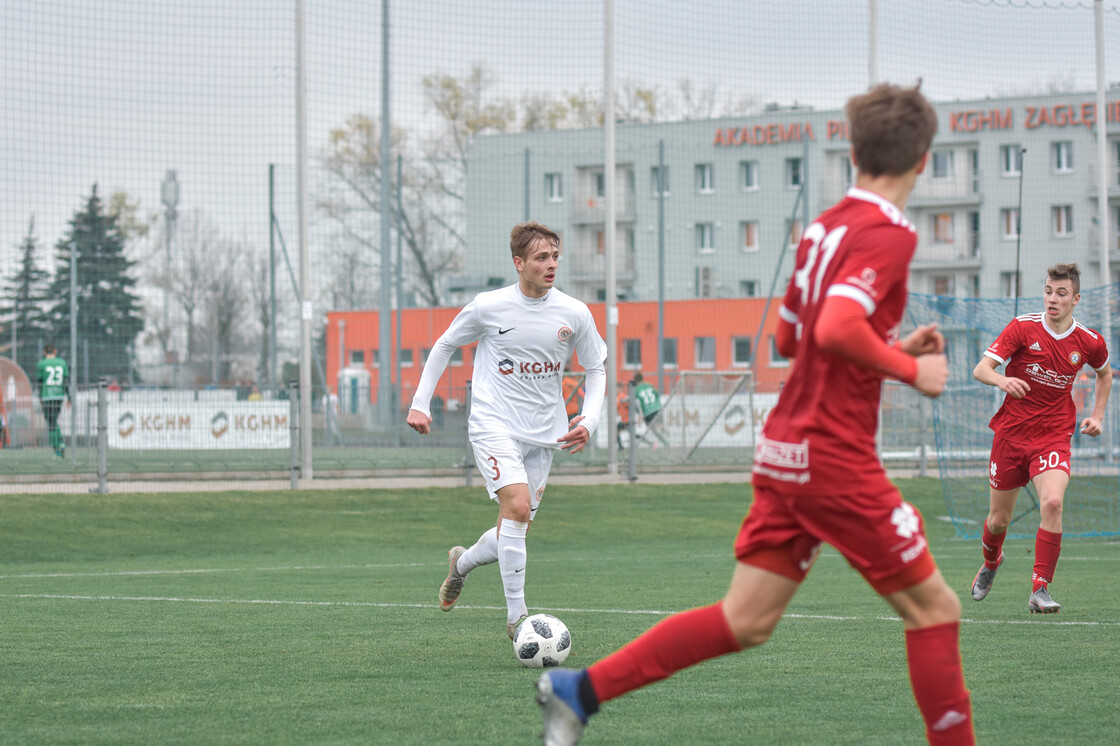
(118, 92)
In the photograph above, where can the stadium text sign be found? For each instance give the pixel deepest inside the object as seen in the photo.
(199, 425)
(963, 120)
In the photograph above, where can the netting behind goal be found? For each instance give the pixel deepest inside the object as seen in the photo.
(962, 412)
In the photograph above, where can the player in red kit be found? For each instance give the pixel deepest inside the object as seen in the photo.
(1044, 353)
(817, 477)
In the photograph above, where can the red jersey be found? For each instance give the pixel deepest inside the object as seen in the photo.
(821, 433)
(1049, 363)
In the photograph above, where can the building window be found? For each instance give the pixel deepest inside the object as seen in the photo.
(1062, 157)
(358, 358)
(554, 187)
(1009, 222)
(942, 164)
(601, 243)
(669, 352)
(741, 351)
(632, 353)
(974, 169)
(1011, 160)
(705, 351)
(974, 286)
(748, 288)
(974, 234)
(748, 175)
(600, 184)
(1061, 220)
(405, 358)
(943, 227)
(748, 229)
(776, 358)
(942, 284)
(656, 188)
(848, 172)
(457, 356)
(705, 237)
(1009, 285)
(793, 173)
(703, 282)
(704, 179)
(795, 232)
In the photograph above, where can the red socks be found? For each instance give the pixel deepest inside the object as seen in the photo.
(675, 643)
(992, 544)
(934, 658)
(1047, 547)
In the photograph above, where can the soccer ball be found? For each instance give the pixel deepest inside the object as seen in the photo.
(542, 641)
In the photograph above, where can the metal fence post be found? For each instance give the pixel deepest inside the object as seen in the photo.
(102, 438)
(632, 414)
(923, 450)
(293, 434)
(469, 461)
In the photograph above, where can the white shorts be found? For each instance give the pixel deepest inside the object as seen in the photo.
(504, 461)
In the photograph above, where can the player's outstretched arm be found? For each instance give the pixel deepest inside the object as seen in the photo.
(924, 340)
(844, 330)
(576, 438)
(1092, 425)
(418, 421)
(985, 372)
(933, 374)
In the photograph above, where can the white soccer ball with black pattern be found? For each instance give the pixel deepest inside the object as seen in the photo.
(542, 641)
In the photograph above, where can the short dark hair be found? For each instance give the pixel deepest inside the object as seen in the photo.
(525, 235)
(891, 129)
(1069, 272)
(50, 350)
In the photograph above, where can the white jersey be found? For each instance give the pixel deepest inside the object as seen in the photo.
(523, 344)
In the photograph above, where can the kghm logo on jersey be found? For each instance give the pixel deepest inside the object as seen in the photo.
(564, 334)
(1075, 357)
(505, 367)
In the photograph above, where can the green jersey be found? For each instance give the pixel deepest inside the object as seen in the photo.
(649, 401)
(54, 374)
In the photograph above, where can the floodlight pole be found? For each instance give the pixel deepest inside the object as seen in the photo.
(385, 410)
(609, 230)
(306, 391)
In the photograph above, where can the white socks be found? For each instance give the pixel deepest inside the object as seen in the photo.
(507, 548)
(484, 552)
(511, 563)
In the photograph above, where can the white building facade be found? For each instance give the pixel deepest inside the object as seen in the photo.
(730, 205)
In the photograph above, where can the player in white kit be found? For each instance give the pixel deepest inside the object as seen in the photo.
(525, 334)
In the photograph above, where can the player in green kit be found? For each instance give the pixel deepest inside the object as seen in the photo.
(649, 400)
(54, 377)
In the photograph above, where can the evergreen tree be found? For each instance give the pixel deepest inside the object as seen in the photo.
(23, 298)
(108, 311)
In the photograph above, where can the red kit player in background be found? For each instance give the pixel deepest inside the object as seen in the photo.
(1044, 353)
(817, 477)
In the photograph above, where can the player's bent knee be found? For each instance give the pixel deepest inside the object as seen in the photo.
(751, 635)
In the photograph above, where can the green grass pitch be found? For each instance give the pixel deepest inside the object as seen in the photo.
(297, 618)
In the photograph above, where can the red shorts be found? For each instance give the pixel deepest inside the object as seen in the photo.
(1014, 464)
(880, 535)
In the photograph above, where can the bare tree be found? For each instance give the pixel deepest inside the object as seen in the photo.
(197, 253)
(227, 301)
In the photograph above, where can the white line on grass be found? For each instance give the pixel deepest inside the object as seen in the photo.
(379, 605)
(442, 563)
